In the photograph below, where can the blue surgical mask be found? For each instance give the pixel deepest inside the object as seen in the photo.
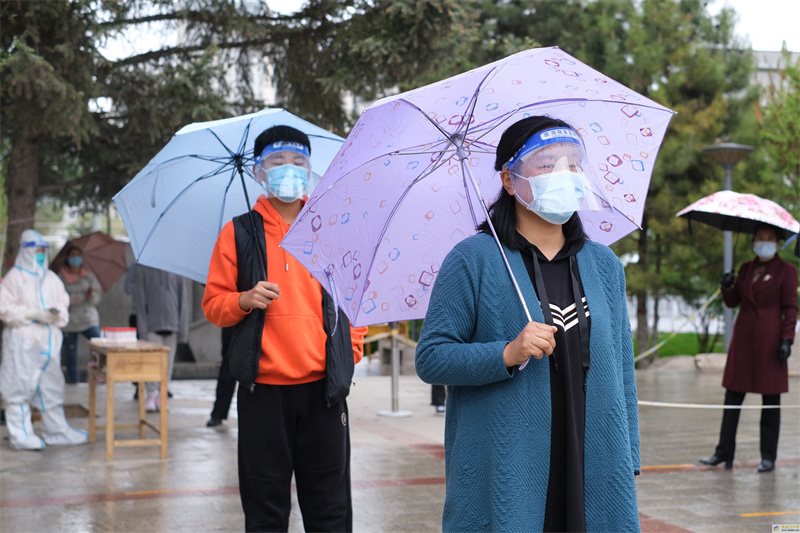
(287, 182)
(41, 258)
(765, 249)
(556, 196)
(75, 261)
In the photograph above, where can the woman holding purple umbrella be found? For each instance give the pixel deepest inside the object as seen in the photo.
(766, 290)
(535, 443)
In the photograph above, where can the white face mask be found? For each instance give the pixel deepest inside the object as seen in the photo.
(287, 182)
(765, 249)
(556, 196)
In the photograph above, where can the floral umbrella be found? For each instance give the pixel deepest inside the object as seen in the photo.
(742, 213)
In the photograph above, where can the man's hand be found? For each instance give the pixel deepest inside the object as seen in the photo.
(536, 340)
(89, 293)
(260, 296)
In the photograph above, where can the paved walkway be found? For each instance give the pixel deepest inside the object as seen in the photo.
(397, 466)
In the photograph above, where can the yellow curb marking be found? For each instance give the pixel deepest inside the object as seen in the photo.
(769, 514)
(667, 466)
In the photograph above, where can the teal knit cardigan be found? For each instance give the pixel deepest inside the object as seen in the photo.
(497, 430)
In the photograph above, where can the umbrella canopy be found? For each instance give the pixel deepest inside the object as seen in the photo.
(400, 194)
(742, 213)
(103, 255)
(175, 207)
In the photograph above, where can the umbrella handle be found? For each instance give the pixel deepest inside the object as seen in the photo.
(467, 173)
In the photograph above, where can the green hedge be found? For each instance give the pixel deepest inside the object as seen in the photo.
(681, 344)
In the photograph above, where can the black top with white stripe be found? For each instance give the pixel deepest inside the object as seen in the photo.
(565, 501)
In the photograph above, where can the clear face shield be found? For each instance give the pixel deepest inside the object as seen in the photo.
(284, 170)
(548, 177)
(33, 248)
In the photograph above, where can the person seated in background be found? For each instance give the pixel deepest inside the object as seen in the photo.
(84, 295)
(33, 307)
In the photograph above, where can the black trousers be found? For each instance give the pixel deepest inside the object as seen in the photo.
(438, 395)
(285, 429)
(226, 383)
(770, 426)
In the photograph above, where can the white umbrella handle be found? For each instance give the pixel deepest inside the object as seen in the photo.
(466, 171)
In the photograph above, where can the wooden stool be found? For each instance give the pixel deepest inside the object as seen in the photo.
(139, 361)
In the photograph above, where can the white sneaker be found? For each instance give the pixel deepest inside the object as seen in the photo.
(152, 402)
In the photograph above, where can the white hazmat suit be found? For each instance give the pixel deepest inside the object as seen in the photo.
(33, 307)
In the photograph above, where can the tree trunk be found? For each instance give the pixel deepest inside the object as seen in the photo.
(642, 337)
(654, 332)
(656, 301)
(23, 177)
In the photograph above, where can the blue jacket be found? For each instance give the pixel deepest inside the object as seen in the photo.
(497, 431)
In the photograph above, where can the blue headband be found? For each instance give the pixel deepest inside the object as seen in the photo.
(283, 146)
(35, 244)
(543, 138)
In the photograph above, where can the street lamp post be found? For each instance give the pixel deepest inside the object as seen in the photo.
(727, 155)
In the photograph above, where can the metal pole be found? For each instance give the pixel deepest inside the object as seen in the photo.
(727, 155)
(395, 412)
(727, 265)
(395, 368)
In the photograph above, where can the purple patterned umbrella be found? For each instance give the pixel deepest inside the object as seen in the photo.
(409, 181)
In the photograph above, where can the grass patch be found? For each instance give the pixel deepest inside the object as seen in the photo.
(681, 344)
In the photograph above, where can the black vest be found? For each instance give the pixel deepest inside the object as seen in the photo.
(245, 347)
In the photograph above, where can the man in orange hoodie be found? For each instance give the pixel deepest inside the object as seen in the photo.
(292, 350)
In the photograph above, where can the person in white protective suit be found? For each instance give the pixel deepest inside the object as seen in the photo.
(33, 307)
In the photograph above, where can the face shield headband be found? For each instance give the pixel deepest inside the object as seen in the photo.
(541, 139)
(35, 244)
(283, 169)
(283, 146)
(548, 172)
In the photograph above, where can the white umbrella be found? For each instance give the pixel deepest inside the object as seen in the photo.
(176, 206)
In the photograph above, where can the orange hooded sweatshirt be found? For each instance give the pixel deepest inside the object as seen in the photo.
(293, 342)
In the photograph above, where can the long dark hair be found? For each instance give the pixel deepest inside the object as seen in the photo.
(503, 210)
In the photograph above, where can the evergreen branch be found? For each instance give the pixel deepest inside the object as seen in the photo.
(58, 187)
(191, 16)
(180, 50)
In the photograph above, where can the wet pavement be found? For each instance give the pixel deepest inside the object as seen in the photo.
(397, 465)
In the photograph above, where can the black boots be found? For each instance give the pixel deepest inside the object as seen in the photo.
(766, 466)
(714, 461)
